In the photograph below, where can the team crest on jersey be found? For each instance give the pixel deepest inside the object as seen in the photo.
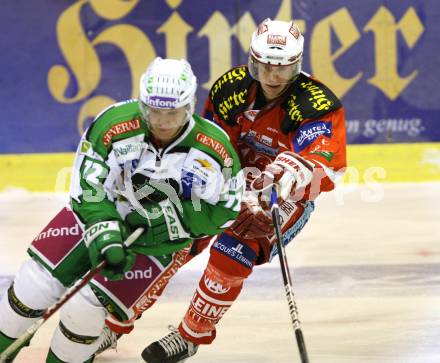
(120, 128)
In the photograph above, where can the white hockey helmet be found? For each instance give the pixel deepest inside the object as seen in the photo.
(168, 84)
(276, 43)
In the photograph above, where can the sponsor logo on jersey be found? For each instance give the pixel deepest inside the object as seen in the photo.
(328, 155)
(232, 101)
(137, 274)
(191, 180)
(205, 164)
(216, 146)
(120, 128)
(215, 286)
(226, 103)
(234, 75)
(238, 248)
(241, 253)
(266, 140)
(99, 228)
(153, 291)
(175, 228)
(260, 144)
(309, 132)
(171, 219)
(318, 98)
(127, 152)
(211, 310)
(59, 232)
(294, 112)
(85, 147)
(250, 115)
(288, 208)
(323, 148)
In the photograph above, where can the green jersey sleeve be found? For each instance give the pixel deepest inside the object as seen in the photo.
(215, 163)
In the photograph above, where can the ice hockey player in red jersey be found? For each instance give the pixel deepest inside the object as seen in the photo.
(281, 121)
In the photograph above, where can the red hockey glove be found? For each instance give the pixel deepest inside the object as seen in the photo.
(288, 171)
(253, 221)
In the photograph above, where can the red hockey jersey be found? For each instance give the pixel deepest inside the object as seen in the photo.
(307, 119)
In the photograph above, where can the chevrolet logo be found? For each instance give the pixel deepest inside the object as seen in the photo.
(205, 164)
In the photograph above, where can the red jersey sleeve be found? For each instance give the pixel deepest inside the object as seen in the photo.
(322, 142)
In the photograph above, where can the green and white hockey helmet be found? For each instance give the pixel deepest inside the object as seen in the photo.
(168, 84)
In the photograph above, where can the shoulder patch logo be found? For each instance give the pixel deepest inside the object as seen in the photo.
(308, 133)
(119, 129)
(216, 146)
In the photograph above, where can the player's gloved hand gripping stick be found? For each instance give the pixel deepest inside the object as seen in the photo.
(72, 291)
(293, 309)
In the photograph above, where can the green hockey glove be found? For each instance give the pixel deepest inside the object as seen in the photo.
(104, 241)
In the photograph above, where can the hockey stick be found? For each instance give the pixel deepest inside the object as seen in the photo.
(287, 279)
(69, 293)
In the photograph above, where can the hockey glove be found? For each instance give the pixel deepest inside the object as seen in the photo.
(253, 221)
(152, 190)
(288, 171)
(104, 241)
(162, 223)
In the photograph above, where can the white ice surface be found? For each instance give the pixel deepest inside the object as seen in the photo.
(366, 274)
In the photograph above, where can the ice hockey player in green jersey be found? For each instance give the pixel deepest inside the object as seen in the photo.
(148, 162)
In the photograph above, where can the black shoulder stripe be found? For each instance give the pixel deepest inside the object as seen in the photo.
(309, 99)
(229, 93)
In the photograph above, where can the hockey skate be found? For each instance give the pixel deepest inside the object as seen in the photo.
(109, 340)
(172, 348)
